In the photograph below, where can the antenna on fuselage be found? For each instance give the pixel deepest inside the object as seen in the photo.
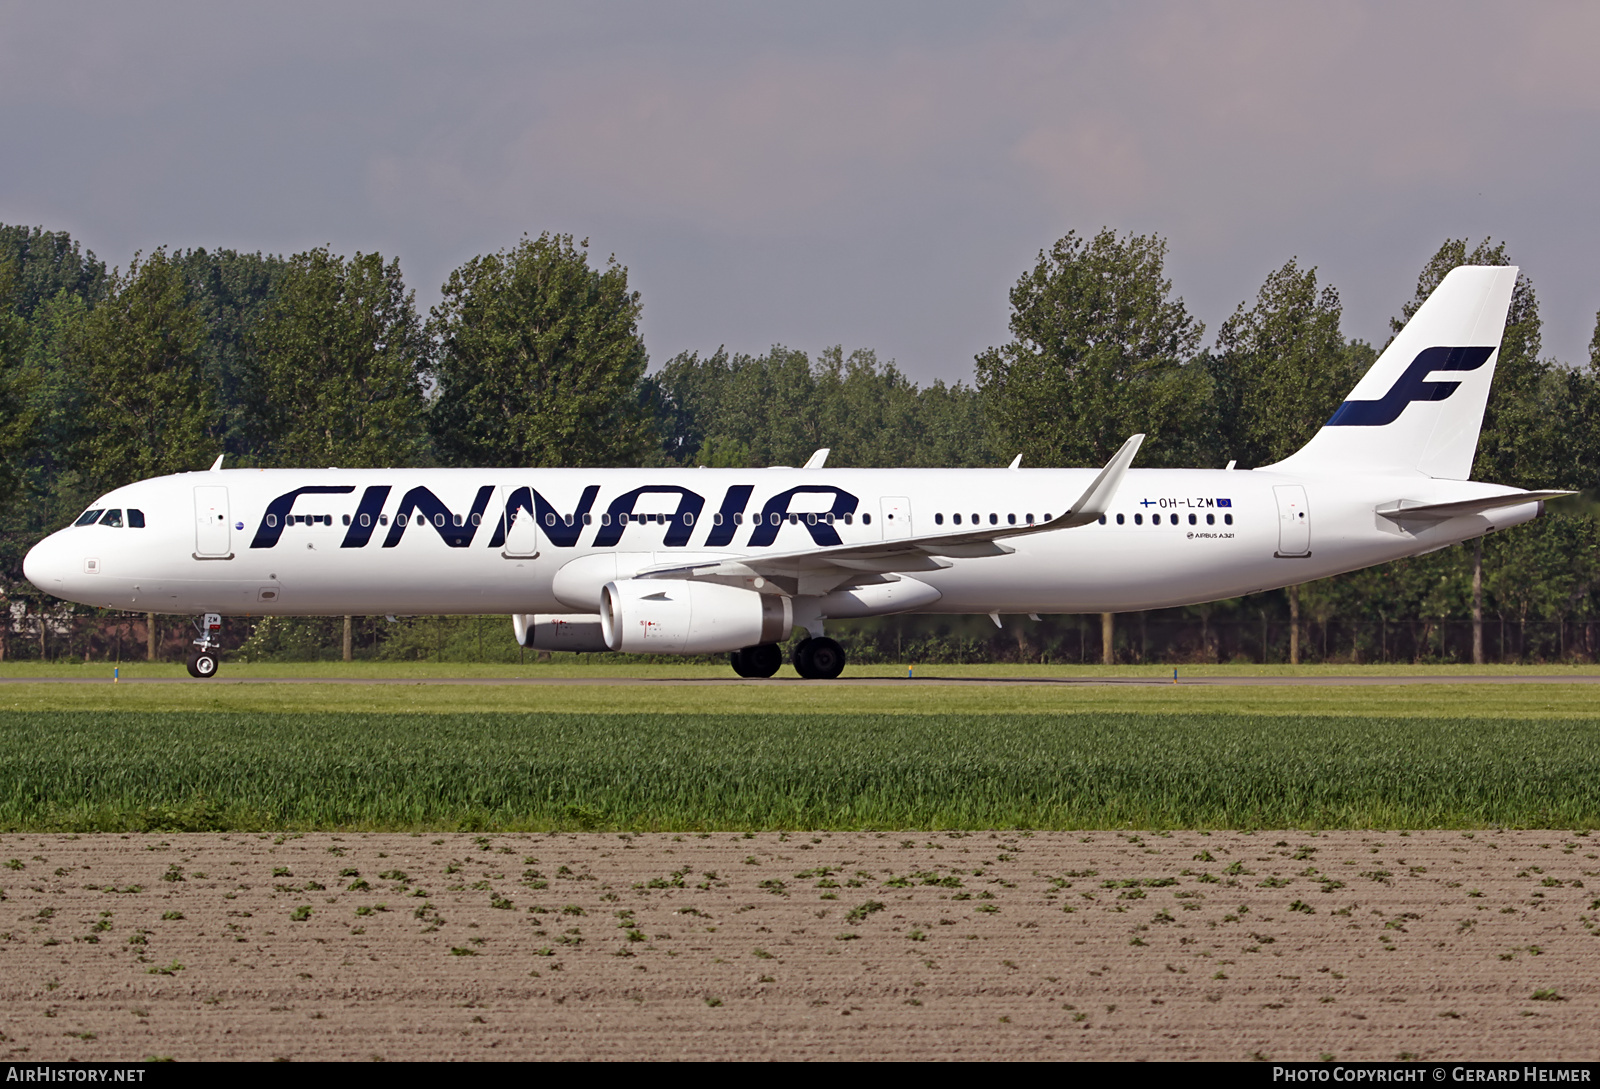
(215, 465)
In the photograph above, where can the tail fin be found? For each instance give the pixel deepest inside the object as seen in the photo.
(1420, 407)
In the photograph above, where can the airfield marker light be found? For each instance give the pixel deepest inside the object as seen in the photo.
(116, 674)
(1174, 674)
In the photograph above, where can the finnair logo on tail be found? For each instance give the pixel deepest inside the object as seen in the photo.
(1411, 386)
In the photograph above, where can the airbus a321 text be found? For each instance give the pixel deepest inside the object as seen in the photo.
(697, 561)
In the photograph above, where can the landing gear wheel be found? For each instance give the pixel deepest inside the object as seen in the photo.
(761, 661)
(819, 659)
(203, 664)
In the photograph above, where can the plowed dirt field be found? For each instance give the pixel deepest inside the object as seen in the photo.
(1289, 945)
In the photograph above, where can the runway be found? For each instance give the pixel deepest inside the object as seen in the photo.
(863, 682)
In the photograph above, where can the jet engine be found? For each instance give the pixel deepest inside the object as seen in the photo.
(677, 616)
(558, 631)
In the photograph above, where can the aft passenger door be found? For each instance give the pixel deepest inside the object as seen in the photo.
(1294, 520)
(213, 539)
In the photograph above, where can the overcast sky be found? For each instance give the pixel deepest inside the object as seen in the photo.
(876, 175)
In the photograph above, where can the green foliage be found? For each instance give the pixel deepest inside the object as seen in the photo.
(49, 263)
(108, 770)
(230, 291)
(1098, 352)
(147, 410)
(337, 361)
(777, 409)
(540, 360)
(1281, 368)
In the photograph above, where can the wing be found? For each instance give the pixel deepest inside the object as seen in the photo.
(819, 570)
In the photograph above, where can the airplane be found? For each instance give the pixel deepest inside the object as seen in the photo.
(703, 561)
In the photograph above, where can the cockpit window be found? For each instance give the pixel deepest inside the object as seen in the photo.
(135, 518)
(113, 518)
(89, 517)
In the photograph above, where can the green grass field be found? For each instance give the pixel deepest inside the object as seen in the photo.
(421, 753)
(154, 770)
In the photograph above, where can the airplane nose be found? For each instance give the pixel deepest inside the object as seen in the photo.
(43, 565)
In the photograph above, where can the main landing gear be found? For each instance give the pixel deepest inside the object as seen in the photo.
(761, 661)
(203, 660)
(818, 659)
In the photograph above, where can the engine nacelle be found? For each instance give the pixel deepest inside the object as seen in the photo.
(677, 616)
(559, 631)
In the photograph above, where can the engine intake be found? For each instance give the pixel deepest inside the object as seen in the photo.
(675, 616)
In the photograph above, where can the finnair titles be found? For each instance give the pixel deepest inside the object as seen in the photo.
(697, 561)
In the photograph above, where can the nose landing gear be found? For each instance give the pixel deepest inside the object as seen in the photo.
(204, 659)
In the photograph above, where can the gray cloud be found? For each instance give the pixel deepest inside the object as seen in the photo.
(878, 178)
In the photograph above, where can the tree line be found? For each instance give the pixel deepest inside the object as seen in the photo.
(533, 357)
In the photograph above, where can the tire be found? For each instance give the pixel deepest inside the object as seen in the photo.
(800, 658)
(762, 661)
(824, 657)
(736, 659)
(203, 665)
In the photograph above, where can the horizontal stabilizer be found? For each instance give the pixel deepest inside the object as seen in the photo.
(1405, 510)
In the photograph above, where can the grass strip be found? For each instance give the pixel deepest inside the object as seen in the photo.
(143, 771)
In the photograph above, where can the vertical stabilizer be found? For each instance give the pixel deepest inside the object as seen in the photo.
(1420, 407)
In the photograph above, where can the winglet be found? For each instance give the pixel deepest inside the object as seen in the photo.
(215, 465)
(816, 460)
(1097, 500)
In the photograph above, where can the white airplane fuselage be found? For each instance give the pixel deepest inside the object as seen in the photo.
(257, 542)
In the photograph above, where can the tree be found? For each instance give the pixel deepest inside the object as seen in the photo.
(230, 290)
(1097, 353)
(539, 361)
(337, 360)
(48, 263)
(17, 421)
(1279, 368)
(146, 410)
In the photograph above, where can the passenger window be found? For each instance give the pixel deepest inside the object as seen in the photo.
(550, 519)
(1011, 519)
(383, 519)
(994, 519)
(688, 518)
(1121, 518)
(347, 519)
(366, 520)
(477, 520)
(89, 517)
(135, 518)
(956, 518)
(938, 519)
(1191, 519)
(1138, 519)
(605, 519)
(1211, 519)
(113, 518)
(272, 520)
(1102, 519)
(567, 518)
(1030, 519)
(866, 519)
(1155, 519)
(830, 517)
(849, 519)
(588, 519)
(1228, 518)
